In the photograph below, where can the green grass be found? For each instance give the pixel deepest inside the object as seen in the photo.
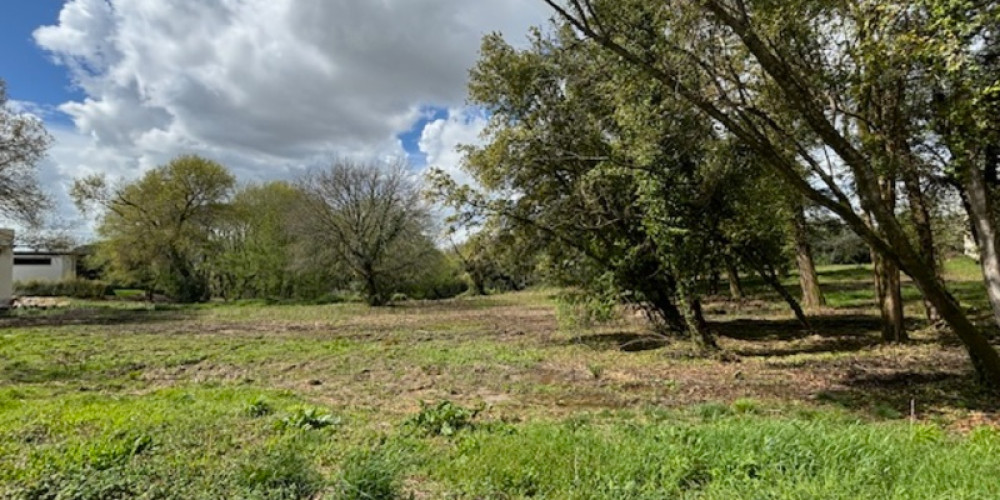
(246, 400)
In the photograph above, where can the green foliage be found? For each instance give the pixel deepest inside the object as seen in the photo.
(259, 407)
(76, 288)
(440, 277)
(443, 419)
(308, 418)
(577, 309)
(370, 474)
(157, 231)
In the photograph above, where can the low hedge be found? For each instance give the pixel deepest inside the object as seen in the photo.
(76, 288)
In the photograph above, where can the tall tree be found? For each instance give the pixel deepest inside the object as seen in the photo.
(157, 231)
(372, 217)
(763, 71)
(23, 143)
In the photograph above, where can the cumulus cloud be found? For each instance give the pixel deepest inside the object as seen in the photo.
(270, 85)
(441, 139)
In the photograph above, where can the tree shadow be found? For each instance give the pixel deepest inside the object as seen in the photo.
(854, 325)
(787, 337)
(896, 394)
(621, 341)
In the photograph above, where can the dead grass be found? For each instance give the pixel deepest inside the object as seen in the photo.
(503, 351)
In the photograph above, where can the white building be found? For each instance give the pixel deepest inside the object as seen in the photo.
(6, 267)
(44, 266)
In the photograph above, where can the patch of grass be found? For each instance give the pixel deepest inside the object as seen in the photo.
(745, 457)
(370, 474)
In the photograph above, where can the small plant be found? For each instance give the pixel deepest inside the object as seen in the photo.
(259, 407)
(308, 419)
(746, 406)
(443, 419)
(369, 475)
(596, 370)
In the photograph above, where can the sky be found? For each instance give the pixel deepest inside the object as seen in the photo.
(269, 88)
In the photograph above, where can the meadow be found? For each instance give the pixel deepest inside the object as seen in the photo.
(495, 397)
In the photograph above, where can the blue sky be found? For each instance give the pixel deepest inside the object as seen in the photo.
(28, 70)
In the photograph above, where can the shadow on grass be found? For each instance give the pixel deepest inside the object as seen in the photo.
(90, 316)
(890, 395)
(622, 341)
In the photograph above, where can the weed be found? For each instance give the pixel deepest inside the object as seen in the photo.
(443, 419)
(744, 406)
(596, 370)
(259, 407)
(308, 418)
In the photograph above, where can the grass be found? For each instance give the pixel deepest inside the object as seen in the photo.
(488, 398)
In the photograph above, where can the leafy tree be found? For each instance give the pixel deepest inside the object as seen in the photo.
(373, 219)
(23, 143)
(158, 230)
(258, 253)
(798, 82)
(615, 181)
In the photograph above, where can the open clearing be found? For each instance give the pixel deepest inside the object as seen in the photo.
(117, 400)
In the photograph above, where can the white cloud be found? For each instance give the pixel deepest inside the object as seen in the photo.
(441, 138)
(268, 82)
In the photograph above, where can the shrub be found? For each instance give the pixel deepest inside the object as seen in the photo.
(443, 419)
(76, 288)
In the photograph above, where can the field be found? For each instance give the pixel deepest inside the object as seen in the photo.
(489, 397)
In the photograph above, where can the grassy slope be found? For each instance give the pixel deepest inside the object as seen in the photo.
(111, 401)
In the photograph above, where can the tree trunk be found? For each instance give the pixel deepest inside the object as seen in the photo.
(771, 278)
(980, 211)
(662, 312)
(812, 296)
(697, 326)
(983, 355)
(733, 276)
(889, 297)
(921, 215)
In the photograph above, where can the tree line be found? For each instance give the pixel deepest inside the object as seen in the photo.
(185, 229)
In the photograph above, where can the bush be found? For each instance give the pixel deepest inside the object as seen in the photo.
(75, 288)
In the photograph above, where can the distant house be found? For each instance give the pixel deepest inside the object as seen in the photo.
(45, 266)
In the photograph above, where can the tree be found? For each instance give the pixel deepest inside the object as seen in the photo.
(158, 230)
(373, 219)
(23, 143)
(259, 253)
(616, 182)
(787, 79)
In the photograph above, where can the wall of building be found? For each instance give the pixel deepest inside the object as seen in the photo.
(44, 267)
(6, 267)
